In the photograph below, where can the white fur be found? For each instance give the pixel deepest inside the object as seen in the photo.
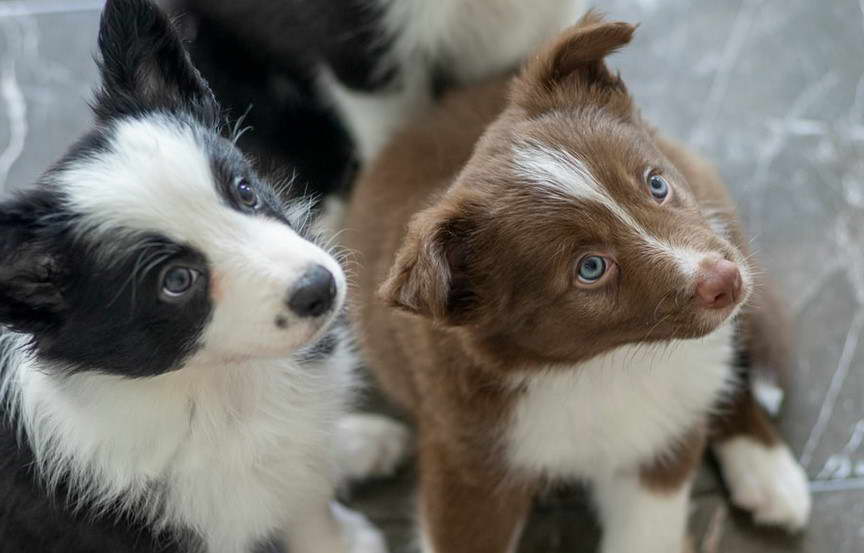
(471, 40)
(474, 39)
(767, 481)
(373, 117)
(617, 410)
(371, 445)
(238, 443)
(767, 393)
(637, 519)
(361, 536)
(688, 260)
(157, 177)
(335, 528)
(564, 175)
(602, 420)
(240, 451)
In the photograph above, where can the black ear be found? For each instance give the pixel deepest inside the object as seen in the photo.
(144, 65)
(31, 269)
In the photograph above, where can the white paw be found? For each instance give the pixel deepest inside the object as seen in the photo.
(371, 445)
(766, 481)
(360, 535)
(769, 395)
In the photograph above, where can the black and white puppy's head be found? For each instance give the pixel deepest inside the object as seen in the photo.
(153, 241)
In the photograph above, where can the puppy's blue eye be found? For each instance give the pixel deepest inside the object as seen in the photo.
(659, 187)
(591, 268)
(246, 194)
(177, 281)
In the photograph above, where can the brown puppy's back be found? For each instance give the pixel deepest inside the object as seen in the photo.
(412, 170)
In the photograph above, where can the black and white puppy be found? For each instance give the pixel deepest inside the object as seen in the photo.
(173, 372)
(324, 84)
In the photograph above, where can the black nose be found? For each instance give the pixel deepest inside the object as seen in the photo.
(314, 293)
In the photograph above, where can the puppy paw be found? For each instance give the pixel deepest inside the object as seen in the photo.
(371, 446)
(766, 481)
(359, 534)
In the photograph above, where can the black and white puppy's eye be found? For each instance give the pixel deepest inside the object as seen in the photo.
(658, 186)
(177, 281)
(591, 268)
(245, 193)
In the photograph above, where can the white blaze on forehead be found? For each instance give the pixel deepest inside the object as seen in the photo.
(156, 177)
(562, 174)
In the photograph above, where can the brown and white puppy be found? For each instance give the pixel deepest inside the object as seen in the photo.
(575, 283)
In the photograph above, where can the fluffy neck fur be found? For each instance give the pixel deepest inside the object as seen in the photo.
(216, 448)
(628, 404)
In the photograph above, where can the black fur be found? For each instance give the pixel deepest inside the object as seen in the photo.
(262, 59)
(88, 312)
(81, 311)
(290, 131)
(322, 349)
(32, 271)
(145, 67)
(228, 166)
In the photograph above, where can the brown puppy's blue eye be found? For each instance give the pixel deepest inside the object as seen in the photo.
(659, 187)
(591, 268)
(246, 195)
(177, 281)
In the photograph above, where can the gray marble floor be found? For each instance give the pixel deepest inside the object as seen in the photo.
(771, 90)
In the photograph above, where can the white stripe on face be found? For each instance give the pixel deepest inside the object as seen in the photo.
(156, 176)
(563, 175)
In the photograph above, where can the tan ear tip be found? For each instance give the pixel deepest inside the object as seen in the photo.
(623, 29)
(389, 294)
(385, 292)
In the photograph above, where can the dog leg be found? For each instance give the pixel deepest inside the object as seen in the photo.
(646, 510)
(762, 475)
(334, 528)
(638, 518)
(465, 508)
(370, 446)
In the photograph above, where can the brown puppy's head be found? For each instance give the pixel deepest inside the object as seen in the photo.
(568, 232)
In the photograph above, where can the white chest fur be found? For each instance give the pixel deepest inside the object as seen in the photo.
(617, 410)
(235, 452)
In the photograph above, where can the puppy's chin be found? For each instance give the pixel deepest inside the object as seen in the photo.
(308, 332)
(703, 322)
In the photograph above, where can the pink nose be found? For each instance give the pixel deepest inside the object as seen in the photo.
(719, 283)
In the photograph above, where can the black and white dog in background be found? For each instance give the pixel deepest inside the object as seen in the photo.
(173, 375)
(325, 83)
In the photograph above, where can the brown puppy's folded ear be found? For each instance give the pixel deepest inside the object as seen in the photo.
(576, 57)
(430, 275)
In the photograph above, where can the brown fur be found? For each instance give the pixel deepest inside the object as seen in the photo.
(468, 263)
(670, 470)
